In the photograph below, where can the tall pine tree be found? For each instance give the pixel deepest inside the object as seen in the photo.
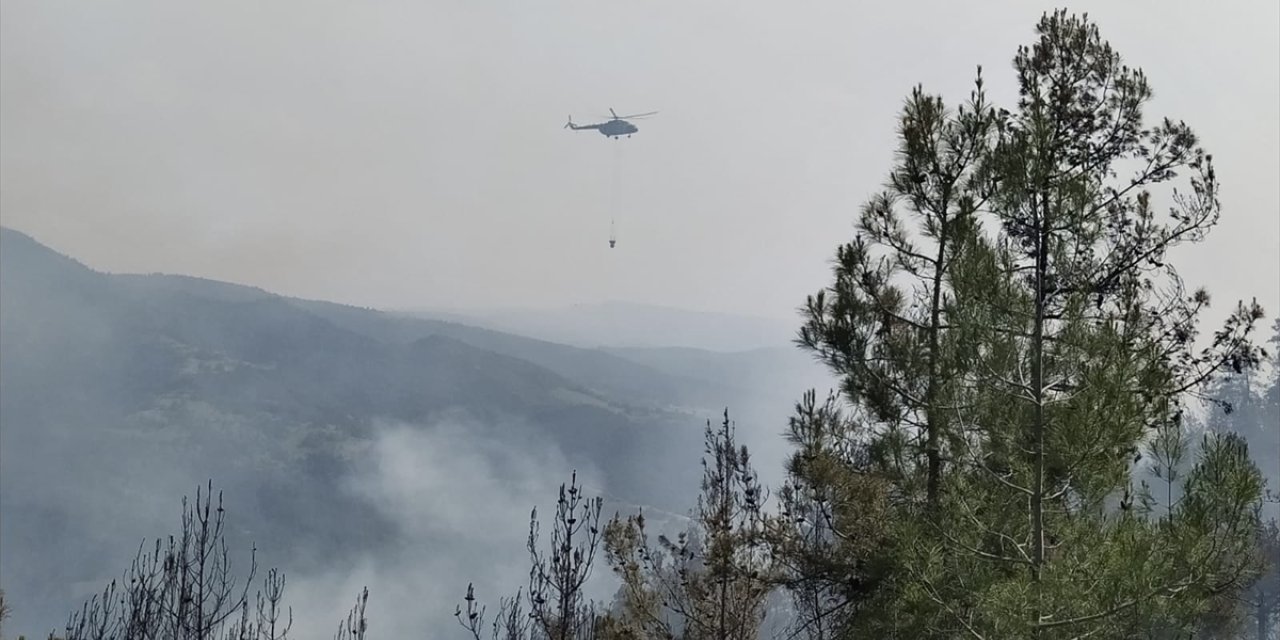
(709, 583)
(1004, 382)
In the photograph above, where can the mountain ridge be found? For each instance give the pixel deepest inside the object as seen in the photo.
(137, 386)
(131, 387)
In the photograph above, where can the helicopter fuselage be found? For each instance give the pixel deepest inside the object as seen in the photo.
(612, 128)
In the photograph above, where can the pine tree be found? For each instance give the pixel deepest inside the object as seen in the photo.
(711, 582)
(1263, 597)
(1246, 404)
(1058, 341)
(4, 609)
(883, 324)
(884, 327)
(185, 588)
(835, 522)
(354, 626)
(556, 601)
(1262, 600)
(1094, 354)
(557, 606)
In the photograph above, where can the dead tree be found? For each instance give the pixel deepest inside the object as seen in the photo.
(557, 604)
(355, 626)
(184, 588)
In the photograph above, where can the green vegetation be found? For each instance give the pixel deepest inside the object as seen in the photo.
(1015, 352)
(1011, 337)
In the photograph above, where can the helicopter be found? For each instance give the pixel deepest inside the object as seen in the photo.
(615, 128)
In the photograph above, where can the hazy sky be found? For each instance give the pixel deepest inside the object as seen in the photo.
(398, 154)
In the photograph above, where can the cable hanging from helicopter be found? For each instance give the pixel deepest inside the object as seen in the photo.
(615, 128)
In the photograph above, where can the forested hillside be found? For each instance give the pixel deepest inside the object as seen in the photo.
(160, 381)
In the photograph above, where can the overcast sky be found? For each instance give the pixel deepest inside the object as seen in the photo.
(410, 154)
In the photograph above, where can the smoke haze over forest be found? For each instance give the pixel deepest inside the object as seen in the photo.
(343, 260)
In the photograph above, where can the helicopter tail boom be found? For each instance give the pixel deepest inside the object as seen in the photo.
(579, 127)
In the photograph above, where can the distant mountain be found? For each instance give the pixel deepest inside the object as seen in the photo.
(120, 393)
(717, 360)
(165, 335)
(756, 369)
(135, 388)
(590, 368)
(623, 324)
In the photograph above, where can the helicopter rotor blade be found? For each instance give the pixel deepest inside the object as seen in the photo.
(639, 115)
